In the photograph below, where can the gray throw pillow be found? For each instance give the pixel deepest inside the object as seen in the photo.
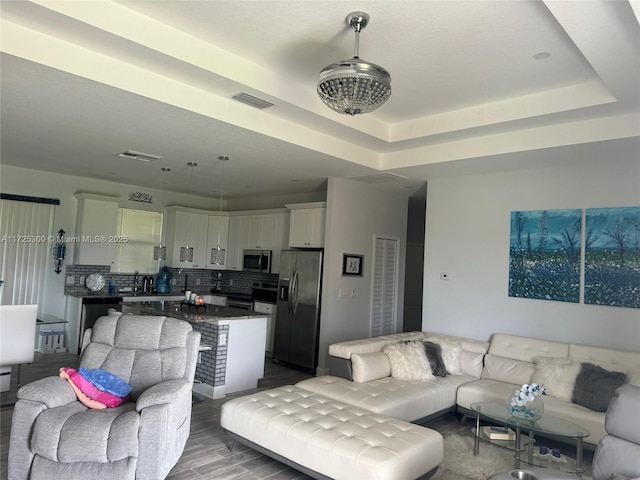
(595, 386)
(434, 354)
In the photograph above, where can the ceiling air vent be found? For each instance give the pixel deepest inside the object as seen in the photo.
(143, 157)
(252, 101)
(383, 177)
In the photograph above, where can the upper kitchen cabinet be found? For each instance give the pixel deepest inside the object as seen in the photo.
(306, 228)
(217, 252)
(253, 230)
(96, 227)
(186, 227)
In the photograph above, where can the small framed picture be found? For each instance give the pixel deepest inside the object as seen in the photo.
(352, 264)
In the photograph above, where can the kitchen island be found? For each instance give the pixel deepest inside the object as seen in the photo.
(235, 361)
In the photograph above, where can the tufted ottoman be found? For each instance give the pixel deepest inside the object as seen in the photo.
(329, 439)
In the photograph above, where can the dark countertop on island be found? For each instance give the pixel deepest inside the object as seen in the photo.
(190, 313)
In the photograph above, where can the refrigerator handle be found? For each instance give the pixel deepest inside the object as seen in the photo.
(293, 299)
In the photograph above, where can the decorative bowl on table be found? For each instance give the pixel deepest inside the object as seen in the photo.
(527, 402)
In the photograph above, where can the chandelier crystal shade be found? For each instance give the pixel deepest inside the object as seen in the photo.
(354, 86)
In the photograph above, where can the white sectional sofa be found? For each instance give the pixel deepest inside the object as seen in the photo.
(375, 390)
(490, 371)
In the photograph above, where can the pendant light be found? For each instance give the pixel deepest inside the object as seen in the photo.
(354, 86)
(218, 254)
(186, 252)
(160, 251)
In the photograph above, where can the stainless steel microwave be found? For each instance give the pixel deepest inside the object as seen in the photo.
(256, 261)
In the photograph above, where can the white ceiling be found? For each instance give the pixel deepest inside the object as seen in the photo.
(83, 81)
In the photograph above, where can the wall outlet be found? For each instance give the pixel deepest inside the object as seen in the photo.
(71, 280)
(231, 282)
(173, 281)
(222, 339)
(197, 281)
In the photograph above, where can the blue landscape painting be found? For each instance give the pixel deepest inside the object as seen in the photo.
(545, 254)
(612, 257)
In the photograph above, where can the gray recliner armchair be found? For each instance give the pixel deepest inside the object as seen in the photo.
(618, 453)
(55, 436)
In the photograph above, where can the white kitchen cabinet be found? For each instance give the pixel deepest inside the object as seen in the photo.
(257, 231)
(96, 227)
(306, 225)
(186, 227)
(217, 235)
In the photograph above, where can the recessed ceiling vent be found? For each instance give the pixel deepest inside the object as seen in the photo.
(143, 157)
(252, 101)
(383, 177)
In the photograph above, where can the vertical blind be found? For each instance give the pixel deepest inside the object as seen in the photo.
(26, 233)
(385, 276)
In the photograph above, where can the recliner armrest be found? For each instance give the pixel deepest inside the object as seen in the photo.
(50, 391)
(622, 418)
(165, 392)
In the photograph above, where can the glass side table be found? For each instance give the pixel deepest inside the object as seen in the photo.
(548, 425)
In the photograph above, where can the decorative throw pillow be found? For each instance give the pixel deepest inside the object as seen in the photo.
(557, 375)
(434, 354)
(408, 361)
(106, 381)
(451, 352)
(595, 386)
(90, 390)
(369, 366)
(84, 399)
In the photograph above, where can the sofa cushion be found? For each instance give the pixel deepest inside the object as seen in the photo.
(557, 375)
(408, 400)
(595, 387)
(525, 348)
(507, 369)
(373, 344)
(408, 361)
(369, 366)
(451, 352)
(616, 360)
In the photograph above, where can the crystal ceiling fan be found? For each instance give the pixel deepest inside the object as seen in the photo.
(354, 86)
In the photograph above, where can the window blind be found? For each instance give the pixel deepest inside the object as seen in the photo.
(26, 231)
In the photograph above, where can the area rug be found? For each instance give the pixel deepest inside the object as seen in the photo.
(459, 461)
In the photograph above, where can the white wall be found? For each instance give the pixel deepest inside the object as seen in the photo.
(467, 236)
(355, 213)
(21, 181)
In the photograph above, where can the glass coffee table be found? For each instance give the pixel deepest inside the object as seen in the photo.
(548, 425)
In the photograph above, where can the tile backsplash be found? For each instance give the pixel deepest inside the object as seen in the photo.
(198, 280)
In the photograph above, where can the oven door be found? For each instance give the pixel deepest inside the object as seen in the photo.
(241, 304)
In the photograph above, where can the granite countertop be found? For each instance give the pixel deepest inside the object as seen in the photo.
(212, 314)
(84, 293)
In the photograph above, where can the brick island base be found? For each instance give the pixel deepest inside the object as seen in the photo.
(326, 438)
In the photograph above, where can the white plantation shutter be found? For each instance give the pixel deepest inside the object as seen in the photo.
(25, 251)
(385, 278)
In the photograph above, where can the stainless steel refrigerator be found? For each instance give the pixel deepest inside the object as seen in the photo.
(297, 325)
